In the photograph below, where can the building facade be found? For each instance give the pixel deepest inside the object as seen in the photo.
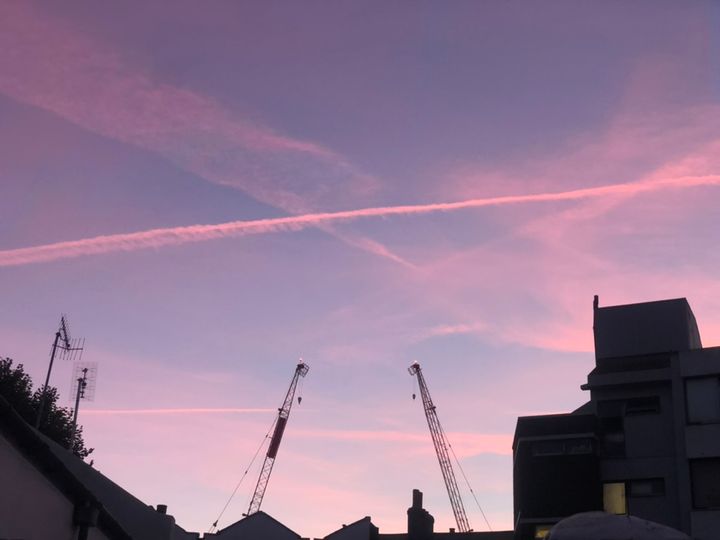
(646, 444)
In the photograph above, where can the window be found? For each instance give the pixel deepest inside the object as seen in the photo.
(542, 531)
(703, 400)
(610, 408)
(614, 501)
(642, 405)
(579, 446)
(647, 487)
(705, 479)
(613, 437)
(548, 448)
(559, 447)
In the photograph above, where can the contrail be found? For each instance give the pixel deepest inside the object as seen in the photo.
(133, 412)
(155, 238)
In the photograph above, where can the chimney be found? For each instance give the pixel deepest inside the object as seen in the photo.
(420, 522)
(161, 508)
(417, 499)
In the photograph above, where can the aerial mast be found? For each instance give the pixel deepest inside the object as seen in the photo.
(67, 348)
(441, 449)
(83, 385)
(283, 414)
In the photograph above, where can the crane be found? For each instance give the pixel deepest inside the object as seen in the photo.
(283, 414)
(441, 449)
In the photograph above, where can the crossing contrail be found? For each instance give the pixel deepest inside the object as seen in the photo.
(155, 238)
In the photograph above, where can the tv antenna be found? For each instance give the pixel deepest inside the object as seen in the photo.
(68, 349)
(84, 379)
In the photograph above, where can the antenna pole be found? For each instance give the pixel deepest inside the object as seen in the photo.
(43, 396)
(82, 382)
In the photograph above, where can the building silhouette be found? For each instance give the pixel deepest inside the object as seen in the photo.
(48, 492)
(257, 525)
(646, 444)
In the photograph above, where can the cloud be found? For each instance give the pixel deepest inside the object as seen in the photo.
(454, 329)
(156, 238)
(46, 64)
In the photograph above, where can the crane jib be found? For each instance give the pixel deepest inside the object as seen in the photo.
(277, 437)
(283, 415)
(441, 449)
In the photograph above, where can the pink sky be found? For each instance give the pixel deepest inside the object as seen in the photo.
(211, 193)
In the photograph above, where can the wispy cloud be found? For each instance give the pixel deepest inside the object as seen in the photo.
(47, 64)
(460, 328)
(156, 238)
(465, 444)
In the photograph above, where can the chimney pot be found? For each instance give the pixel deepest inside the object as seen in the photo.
(417, 498)
(161, 508)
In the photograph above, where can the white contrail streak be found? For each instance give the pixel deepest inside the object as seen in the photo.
(143, 412)
(155, 238)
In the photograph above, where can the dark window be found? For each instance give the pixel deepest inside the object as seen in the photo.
(611, 408)
(705, 478)
(613, 437)
(579, 446)
(647, 487)
(559, 447)
(643, 405)
(702, 396)
(625, 407)
(548, 448)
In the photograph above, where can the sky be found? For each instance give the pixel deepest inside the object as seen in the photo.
(211, 191)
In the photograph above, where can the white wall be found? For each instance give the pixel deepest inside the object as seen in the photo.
(31, 508)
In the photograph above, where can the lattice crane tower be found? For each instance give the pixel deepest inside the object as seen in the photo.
(283, 414)
(441, 449)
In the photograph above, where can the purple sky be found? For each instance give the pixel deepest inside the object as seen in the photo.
(212, 190)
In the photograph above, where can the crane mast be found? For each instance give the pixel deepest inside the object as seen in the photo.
(283, 415)
(441, 449)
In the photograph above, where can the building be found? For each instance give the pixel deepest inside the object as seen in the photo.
(421, 526)
(648, 441)
(257, 525)
(362, 529)
(48, 492)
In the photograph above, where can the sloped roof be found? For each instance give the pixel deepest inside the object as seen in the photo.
(258, 519)
(122, 516)
(364, 524)
(140, 520)
(36, 450)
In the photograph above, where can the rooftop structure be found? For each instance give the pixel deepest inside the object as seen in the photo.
(646, 444)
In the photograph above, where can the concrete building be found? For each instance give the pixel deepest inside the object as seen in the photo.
(648, 441)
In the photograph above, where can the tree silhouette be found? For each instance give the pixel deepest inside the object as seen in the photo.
(56, 424)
